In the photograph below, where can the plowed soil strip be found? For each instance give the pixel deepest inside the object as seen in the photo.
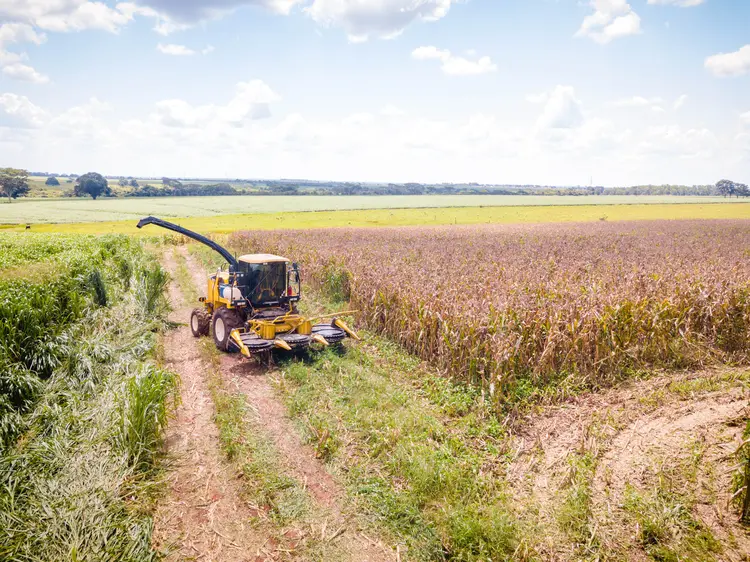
(299, 459)
(203, 516)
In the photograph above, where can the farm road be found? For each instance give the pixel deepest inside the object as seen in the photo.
(203, 516)
(228, 520)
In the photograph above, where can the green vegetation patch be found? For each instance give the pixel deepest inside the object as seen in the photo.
(421, 459)
(84, 405)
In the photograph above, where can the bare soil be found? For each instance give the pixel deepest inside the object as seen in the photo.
(298, 458)
(203, 517)
(633, 432)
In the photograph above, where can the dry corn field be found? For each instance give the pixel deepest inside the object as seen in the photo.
(541, 309)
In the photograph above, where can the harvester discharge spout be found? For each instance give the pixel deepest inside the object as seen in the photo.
(252, 308)
(226, 254)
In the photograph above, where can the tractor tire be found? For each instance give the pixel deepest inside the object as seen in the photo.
(200, 322)
(224, 322)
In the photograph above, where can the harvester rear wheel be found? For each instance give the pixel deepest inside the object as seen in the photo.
(224, 322)
(200, 322)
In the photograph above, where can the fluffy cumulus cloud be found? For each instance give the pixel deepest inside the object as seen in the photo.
(18, 111)
(736, 63)
(562, 110)
(25, 21)
(10, 61)
(362, 19)
(194, 11)
(453, 64)
(64, 15)
(25, 73)
(252, 101)
(178, 15)
(562, 140)
(611, 19)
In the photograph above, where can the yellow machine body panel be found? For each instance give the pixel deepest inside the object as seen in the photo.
(215, 299)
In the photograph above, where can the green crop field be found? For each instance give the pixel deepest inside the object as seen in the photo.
(102, 210)
(404, 217)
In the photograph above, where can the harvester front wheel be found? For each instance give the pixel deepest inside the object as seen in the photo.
(224, 322)
(200, 322)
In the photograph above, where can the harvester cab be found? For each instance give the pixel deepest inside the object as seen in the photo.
(252, 306)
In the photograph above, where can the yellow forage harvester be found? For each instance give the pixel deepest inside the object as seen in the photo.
(252, 307)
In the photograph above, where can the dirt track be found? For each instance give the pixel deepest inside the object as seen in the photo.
(203, 517)
(204, 513)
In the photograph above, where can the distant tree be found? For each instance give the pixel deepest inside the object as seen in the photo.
(726, 188)
(133, 183)
(14, 182)
(170, 182)
(92, 184)
(52, 180)
(742, 190)
(123, 182)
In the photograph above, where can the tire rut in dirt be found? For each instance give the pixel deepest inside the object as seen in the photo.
(298, 458)
(202, 515)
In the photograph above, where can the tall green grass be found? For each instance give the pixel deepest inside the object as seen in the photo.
(82, 406)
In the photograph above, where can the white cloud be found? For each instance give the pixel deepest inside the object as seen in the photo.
(392, 111)
(194, 11)
(64, 15)
(562, 110)
(252, 101)
(208, 49)
(638, 101)
(179, 15)
(21, 111)
(23, 20)
(176, 50)
(537, 98)
(673, 140)
(24, 72)
(611, 19)
(82, 119)
(564, 143)
(730, 64)
(745, 118)
(20, 33)
(10, 61)
(453, 64)
(88, 15)
(359, 119)
(680, 3)
(362, 19)
(679, 102)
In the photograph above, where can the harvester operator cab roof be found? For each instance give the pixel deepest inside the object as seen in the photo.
(268, 279)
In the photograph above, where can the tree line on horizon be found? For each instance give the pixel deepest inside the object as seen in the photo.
(14, 183)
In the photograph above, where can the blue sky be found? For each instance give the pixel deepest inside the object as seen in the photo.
(502, 91)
